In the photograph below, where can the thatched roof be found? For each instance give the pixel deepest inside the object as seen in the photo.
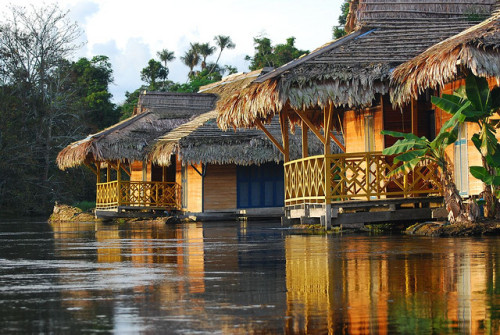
(129, 139)
(351, 71)
(231, 84)
(201, 141)
(476, 49)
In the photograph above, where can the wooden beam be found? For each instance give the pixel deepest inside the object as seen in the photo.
(311, 126)
(125, 169)
(119, 166)
(327, 121)
(284, 135)
(336, 140)
(305, 144)
(270, 136)
(91, 168)
(98, 170)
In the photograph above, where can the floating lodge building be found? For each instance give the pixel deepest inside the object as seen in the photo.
(345, 85)
(309, 130)
(171, 156)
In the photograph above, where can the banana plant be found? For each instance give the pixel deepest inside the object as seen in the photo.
(482, 103)
(411, 150)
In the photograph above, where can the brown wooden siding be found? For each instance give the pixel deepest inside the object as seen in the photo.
(398, 119)
(136, 171)
(354, 129)
(220, 187)
(194, 189)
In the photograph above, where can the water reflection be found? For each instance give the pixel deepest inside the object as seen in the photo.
(376, 285)
(234, 278)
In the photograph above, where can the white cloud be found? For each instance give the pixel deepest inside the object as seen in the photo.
(130, 33)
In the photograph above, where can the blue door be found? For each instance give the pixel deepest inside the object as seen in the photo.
(260, 186)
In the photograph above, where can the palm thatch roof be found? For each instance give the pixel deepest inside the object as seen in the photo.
(476, 49)
(231, 84)
(157, 113)
(202, 141)
(349, 72)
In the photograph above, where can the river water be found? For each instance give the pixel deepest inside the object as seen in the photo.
(241, 278)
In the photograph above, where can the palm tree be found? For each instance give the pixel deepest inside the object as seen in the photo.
(205, 50)
(191, 59)
(166, 56)
(223, 42)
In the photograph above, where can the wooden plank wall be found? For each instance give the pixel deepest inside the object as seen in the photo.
(395, 119)
(354, 129)
(136, 171)
(220, 187)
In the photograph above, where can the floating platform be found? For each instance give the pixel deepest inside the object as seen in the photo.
(357, 213)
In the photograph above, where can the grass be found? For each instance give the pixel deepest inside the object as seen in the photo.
(85, 205)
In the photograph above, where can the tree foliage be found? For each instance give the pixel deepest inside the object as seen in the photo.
(152, 73)
(339, 31)
(412, 150)
(481, 104)
(92, 79)
(46, 102)
(267, 55)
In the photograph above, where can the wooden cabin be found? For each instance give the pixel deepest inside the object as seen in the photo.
(126, 180)
(442, 69)
(171, 156)
(344, 86)
(233, 172)
(230, 172)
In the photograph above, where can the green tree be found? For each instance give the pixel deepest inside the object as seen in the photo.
(190, 59)
(268, 56)
(131, 99)
(92, 84)
(223, 42)
(151, 73)
(165, 56)
(205, 50)
(339, 31)
(481, 106)
(40, 108)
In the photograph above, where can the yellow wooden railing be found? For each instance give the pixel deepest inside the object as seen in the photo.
(163, 195)
(356, 176)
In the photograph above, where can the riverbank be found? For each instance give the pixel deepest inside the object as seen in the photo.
(67, 213)
(445, 229)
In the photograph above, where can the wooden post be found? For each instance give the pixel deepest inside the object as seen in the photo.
(305, 145)
(163, 173)
(284, 135)
(98, 169)
(108, 173)
(414, 116)
(327, 121)
(118, 184)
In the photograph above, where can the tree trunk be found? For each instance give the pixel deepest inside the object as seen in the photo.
(487, 194)
(457, 212)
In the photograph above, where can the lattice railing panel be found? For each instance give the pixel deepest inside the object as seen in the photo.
(360, 176)
(305, 179)
(107, 195)
(138, 194)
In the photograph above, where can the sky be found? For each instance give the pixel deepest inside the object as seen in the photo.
(132, 32)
